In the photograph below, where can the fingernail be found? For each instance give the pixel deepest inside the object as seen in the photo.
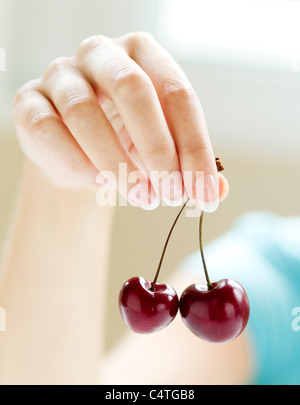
(207, 192)
(153, 205)
(142, 195)
(174, 203)
(172, 190)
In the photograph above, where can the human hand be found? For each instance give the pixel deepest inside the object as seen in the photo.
(119, 101)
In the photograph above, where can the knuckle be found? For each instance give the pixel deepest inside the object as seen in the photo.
(129, 81)
(57, 65)
(40, 124)
(140, 38)
(135, 41)
(76, 102)
(178, 93)
(195, 151)
(161, 151)
(24, 90)
(90, 43)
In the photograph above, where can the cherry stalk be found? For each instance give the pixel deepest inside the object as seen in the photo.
(165, 246)
(209, 284)
(219, 168)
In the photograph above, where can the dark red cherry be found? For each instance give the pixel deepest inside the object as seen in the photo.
(145, 310)
(218, 314)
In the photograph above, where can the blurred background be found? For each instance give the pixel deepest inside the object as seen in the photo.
(243, 59)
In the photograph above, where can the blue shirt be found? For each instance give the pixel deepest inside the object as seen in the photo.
(262, 252)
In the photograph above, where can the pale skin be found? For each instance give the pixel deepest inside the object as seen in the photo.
(71, 125)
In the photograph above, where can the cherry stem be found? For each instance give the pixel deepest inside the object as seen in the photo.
(209, 284)
(165, 247)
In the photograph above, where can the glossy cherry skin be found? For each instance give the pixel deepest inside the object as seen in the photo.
(144, 310)
(217, 315)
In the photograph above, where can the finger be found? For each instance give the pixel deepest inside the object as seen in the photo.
(184, 115)
(48, 142)
(76, 102)
(110, 70)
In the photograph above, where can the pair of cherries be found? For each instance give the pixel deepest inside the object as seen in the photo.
(217, 312)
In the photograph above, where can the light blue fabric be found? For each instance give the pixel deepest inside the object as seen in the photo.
(262, 252)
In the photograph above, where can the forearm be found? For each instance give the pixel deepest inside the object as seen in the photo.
(54, 285)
